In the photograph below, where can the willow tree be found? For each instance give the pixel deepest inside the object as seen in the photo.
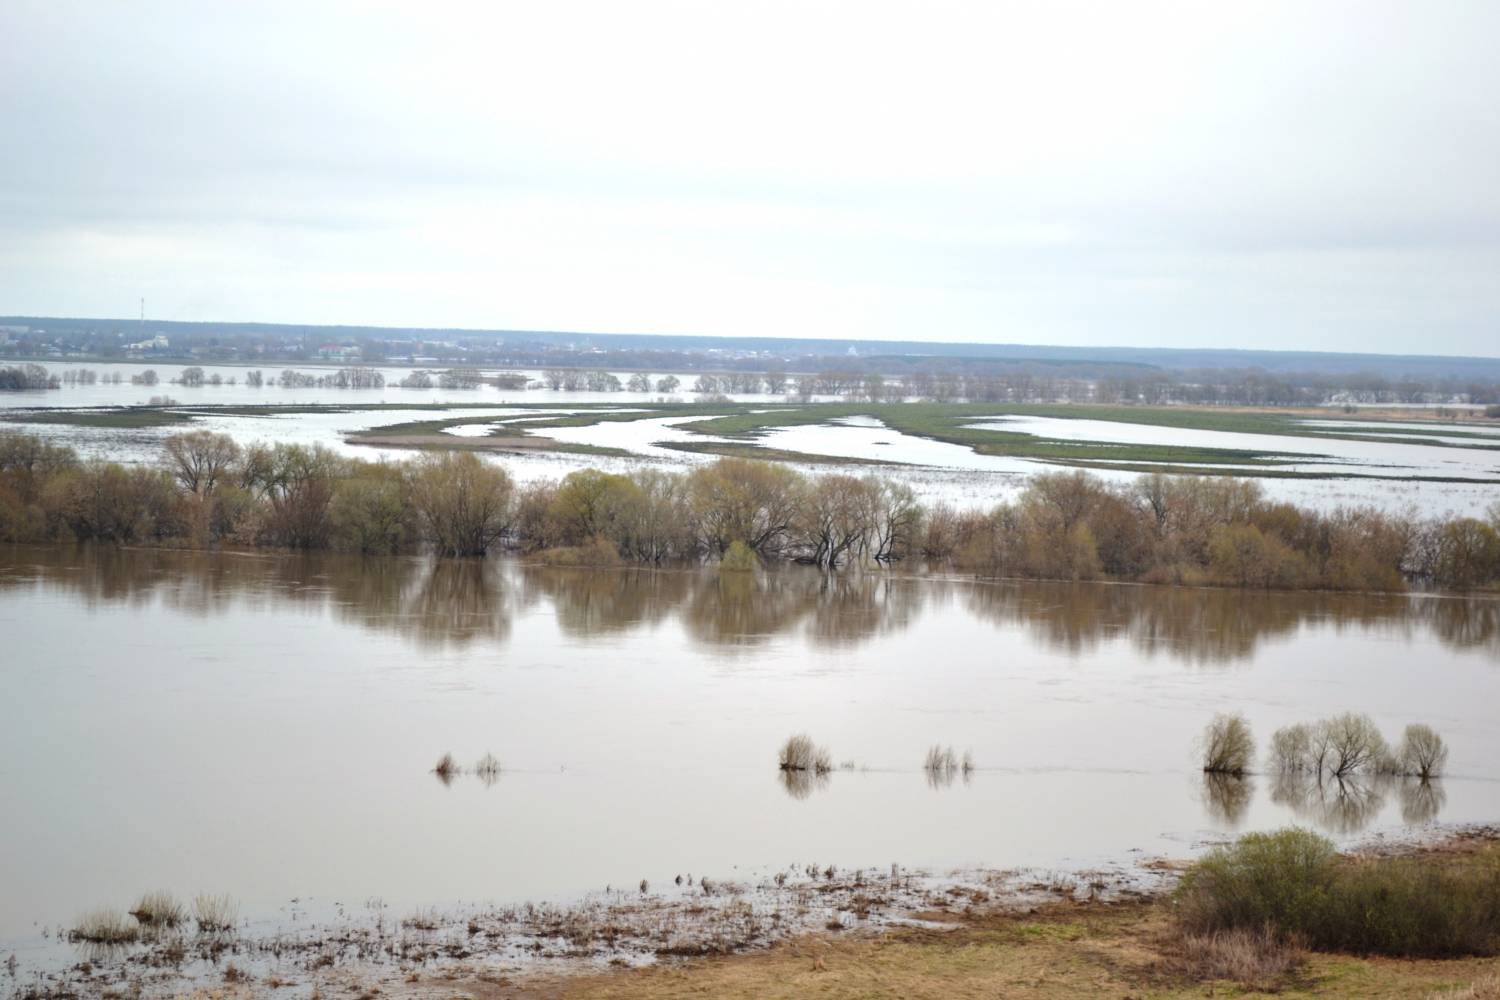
(463, 503)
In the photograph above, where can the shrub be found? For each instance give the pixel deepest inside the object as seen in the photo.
(1422, 753)
(105, 925)
(159, 909)
(1416, 906)
(1354, 743)
(1292, 882)
(1263, 878)
(488, 768)
(1228, 747)
(1292, 749)
(215, 914)
(737, 558)
(597, 553)
(800, 753)
(446, 768)
(940, 760)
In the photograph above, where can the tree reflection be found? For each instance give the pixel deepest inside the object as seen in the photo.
(1421, 801)
(442, 601)
(1337, 805)
(1226, 798)
(801, 784)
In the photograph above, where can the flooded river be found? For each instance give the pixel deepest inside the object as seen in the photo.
(266, 725)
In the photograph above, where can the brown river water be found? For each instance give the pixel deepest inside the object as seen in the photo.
(266, 725)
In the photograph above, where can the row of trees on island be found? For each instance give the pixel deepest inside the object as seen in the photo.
(208, 490)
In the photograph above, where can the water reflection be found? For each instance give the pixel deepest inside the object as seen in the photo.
(1226, 798)
(1421, 800)
(801, 784)
(1337, 805)
(459, 603)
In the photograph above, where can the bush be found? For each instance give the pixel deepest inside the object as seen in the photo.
(600, 552)
(1263, 878)
(159, 909)
(1422, 753)
(106, 925)
(1228, 747)
(800, 753)
(737, 558)
(215, 914)
(1292, 882)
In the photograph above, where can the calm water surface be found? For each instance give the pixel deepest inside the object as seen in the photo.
(266, 725)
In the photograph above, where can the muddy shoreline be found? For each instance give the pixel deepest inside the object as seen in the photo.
(537, 948)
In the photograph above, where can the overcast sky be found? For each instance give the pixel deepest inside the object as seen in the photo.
(1300, 175)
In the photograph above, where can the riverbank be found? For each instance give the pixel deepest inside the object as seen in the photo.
(801, 931)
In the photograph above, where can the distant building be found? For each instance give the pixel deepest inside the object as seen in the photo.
(156, 343)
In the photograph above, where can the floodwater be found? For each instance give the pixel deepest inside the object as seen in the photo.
(266, 725)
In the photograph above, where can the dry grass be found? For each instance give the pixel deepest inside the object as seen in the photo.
(1486, 988)
(215, 914)
(1255, 960)
(105, 925)
(1067, 951)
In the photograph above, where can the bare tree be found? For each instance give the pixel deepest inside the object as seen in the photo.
(200, 460)
(1354, 743)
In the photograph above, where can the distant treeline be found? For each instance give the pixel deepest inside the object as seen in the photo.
(207, 490)
(1233, 388)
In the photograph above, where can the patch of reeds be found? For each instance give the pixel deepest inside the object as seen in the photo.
(215, 914)
(488, 769)
(800, 753)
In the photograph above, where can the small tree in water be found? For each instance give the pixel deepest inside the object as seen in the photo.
(1228, 747)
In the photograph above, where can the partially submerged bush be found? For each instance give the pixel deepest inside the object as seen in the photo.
(1422, 753)
(940, 760)
(105, 925)
(488, 766)
(800, 753)
(738, 558)
(1292, 882)
(1292, 749)
(1353, 743)
(446, 768)
(159, 909)
(1228, 747)
(1350, 744)
(215, 914)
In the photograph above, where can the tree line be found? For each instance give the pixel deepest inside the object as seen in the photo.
(208, 490)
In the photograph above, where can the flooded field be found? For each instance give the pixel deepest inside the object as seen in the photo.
(267, 726)
(1439, 468)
